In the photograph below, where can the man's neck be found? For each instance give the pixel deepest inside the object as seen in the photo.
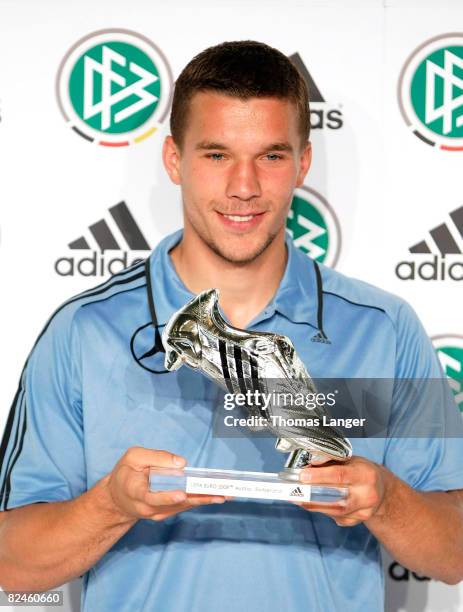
(245, 290)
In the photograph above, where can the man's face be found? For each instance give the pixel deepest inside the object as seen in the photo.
(238, 166)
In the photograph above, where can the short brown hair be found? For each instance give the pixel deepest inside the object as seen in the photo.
(243, 69)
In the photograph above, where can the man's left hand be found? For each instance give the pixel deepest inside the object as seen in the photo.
(368, 484)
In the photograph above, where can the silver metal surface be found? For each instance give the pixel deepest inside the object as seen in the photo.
(241, 361)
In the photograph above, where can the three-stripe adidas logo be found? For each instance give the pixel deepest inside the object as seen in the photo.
(444, 236)
(445, 245)
(320, 337)
(239, 367)
(320, 115)
(119, 232)
(105, 238)
(296, 492)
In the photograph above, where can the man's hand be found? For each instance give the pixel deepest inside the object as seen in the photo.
(368, 485)
(40, 549)
(128, 485)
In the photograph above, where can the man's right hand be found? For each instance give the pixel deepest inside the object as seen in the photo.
(40, 548)
(128, 485)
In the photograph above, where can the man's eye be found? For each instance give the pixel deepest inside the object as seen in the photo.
(273, 156)
(216, 156)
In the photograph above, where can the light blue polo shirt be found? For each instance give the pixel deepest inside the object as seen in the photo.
(89, 391)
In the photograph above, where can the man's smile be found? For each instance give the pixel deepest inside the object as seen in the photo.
(242, 220)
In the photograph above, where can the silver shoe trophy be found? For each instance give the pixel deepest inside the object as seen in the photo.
(262, 362)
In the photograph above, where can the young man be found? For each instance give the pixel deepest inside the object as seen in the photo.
(95, 407)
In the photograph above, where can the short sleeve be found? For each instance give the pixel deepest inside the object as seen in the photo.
(425, 443)
(42, 449)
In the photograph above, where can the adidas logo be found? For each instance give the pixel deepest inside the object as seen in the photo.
(296, 492)
(120, 232)
(443, 236)
(320, 115)
(105, 238)
(444, 240)
(320, 337)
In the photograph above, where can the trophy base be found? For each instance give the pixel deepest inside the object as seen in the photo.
(236, 483)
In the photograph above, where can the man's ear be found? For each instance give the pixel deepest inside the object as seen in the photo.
(304, 164)
(171, 159)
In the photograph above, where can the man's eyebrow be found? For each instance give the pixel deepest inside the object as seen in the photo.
(279, 146)
(209, 145)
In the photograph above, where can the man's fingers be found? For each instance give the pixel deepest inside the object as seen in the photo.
(130, 486)
(199, 500)
(350, 511)
(347, 522)
(354, 502)
(162, 498)
(329, 509)
(160, 516)
(193, 501)
(134, 482)
(139, 458)
(338, 515)
(330, 475)
(137, 489)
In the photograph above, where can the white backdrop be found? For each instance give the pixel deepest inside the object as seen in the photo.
(388, 188)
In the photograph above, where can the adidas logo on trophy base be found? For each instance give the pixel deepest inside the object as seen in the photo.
(296, 492)
(106, 236)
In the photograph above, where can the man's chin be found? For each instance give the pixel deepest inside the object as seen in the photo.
(238, 259)
(241, 254)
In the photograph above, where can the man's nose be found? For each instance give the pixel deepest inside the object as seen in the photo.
(243, 181)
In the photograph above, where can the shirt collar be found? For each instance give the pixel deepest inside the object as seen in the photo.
(296, 297)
